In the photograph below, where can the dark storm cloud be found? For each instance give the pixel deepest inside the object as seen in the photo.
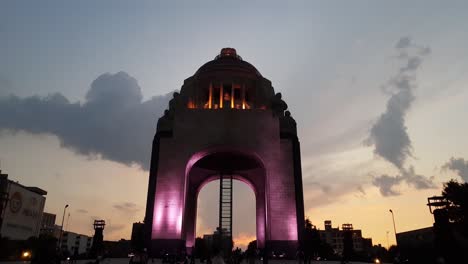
(458, 165)
(389, 135)
(113, 123)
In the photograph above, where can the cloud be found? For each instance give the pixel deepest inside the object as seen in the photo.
(387, 184)
(403, 43)
(113, 123)
(5, 85)
(320, 193)
(389, 135)
(361, 190)
(458, 165)
(127, 207)
(93, 218)
(110, 228)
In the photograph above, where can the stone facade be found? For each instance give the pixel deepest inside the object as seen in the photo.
(226, 119)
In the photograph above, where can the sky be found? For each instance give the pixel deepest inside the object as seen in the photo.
(378, 90)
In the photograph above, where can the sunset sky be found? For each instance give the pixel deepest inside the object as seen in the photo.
(378, 90)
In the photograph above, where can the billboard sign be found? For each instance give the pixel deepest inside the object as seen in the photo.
(22, 218)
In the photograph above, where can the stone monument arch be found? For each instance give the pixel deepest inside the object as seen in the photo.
(226, 119)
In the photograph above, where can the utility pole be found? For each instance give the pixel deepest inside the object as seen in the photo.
(68, 221)
(388, 244)
(61, 228)
(394, 227)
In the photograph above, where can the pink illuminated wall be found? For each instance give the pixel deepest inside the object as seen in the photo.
(199, 134)
(255, 179)
(191, 139)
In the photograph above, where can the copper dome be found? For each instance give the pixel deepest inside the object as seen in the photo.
(228, 61)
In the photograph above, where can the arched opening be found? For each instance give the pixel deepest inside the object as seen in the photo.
(209, 167)
(244, 228)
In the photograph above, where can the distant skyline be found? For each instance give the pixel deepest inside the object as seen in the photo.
(378, 90)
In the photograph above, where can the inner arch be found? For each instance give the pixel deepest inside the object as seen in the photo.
(244, 228)
(206, 167)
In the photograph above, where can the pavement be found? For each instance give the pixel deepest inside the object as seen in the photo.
(158, 261)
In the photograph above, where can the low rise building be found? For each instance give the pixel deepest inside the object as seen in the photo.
(423, 237)
(76, 244)
(21, 209)
(335, 237)
(48, 226)
(48, 220)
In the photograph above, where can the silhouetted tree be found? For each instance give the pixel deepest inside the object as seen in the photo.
(451, 225)
(236, 256)
(251, 252)
(201, 249)
(457, 195)
(313, 246)
(312, 241)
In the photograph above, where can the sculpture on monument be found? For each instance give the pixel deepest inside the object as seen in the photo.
(226, 120)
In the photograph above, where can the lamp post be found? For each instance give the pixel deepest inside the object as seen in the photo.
(394, 227)
(61, 228)
(388, 244)
(68, 221)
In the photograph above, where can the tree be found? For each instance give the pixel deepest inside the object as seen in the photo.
(251, 249)
(451, 225)
(313, 246)
(201, 249)
(457, 195)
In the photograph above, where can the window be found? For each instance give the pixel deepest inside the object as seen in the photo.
(226, 95)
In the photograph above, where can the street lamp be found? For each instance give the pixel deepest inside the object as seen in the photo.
(394, 227)
(61, 228)
(388, 244)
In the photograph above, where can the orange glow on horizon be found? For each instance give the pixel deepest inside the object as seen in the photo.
(243, 240)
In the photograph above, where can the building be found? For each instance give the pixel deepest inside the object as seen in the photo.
(420, 245)
(51, 231)
(48, 223)
(48, 220)
(219, 241)
(48, 226)
(336, 237)
(423, 237)
(76, 244)
(138, 236)
(117, 249)
(227, 123)
(21, 210)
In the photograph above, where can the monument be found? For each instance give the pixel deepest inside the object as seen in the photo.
(226, 120)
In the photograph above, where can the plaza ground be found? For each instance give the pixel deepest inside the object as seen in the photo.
(158, 261)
